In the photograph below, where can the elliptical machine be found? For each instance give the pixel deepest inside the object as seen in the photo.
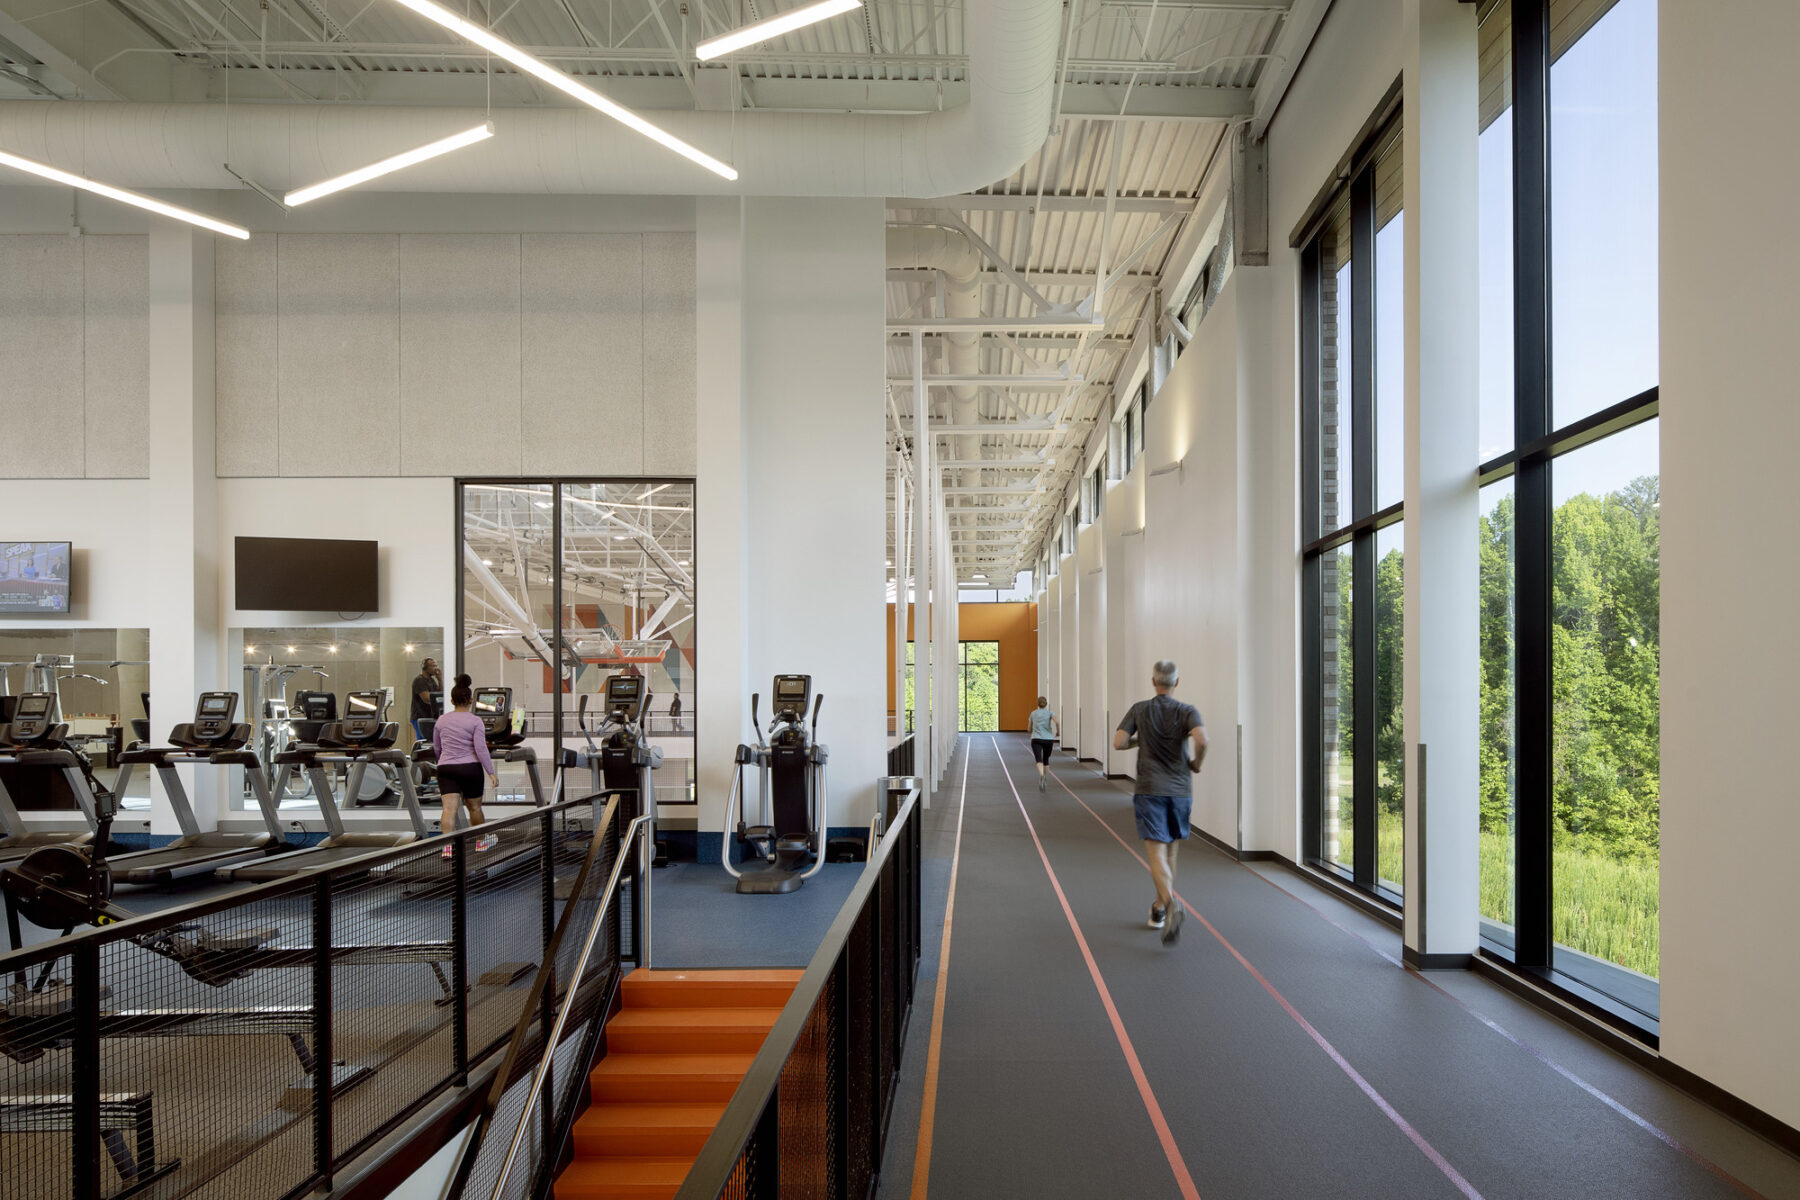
(620, 752)
(792, 796)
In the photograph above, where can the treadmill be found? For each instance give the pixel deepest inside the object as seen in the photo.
(213, 737)
(35, 738)
(364, 737)
(515, 846)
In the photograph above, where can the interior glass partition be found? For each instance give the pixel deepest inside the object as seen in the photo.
(566, 582)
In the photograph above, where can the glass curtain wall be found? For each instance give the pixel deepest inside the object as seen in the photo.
(1353, 270)
(566, 582)
(1570, 578)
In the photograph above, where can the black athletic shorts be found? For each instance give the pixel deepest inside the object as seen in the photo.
(461, 779)
(1041, 748)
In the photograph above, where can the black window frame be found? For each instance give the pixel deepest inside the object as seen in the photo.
(1364, 519)
(1537, 443)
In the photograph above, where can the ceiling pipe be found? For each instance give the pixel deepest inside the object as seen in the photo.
(569, 150)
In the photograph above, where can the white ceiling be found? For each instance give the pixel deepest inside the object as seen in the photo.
(1147, 91)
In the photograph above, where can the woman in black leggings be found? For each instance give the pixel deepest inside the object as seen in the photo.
(1045, 729)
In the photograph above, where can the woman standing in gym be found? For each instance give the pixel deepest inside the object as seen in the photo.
(1045, 729)
(460, 740)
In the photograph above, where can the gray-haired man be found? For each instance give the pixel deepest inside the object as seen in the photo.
(1161, 728)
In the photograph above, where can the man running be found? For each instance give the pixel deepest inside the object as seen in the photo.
(1161, 728)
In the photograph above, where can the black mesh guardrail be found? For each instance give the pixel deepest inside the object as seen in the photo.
(584, 968)
(254, 1045)
(900, 756)
(810, 1119)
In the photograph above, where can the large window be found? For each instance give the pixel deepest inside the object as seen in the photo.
(1354, 431)
(1570, 568)
(977, 683)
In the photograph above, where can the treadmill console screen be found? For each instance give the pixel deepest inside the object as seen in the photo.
(494, 707)
(362, 714)
(212, 716)
(33, 716)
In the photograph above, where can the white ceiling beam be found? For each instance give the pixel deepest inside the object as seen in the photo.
(1034, 382)
(1298, 29)
(996, 428)
(1061, 202)
(31, 45)
(1012, 489)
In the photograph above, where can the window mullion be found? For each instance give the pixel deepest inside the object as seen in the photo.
(1362, 580)
(1532, 487)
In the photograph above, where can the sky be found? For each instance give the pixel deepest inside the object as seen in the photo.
(1603, 217)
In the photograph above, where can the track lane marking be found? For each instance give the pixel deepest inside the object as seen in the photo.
(921, 1177)
(1183, 1180)
(1368, 1089)
(1696, 1157)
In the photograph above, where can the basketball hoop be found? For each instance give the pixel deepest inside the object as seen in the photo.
(620, 651)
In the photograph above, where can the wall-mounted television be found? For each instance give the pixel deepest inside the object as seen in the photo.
(308, 575)
(34, 578)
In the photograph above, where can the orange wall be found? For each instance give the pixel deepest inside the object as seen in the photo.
(1014, 626)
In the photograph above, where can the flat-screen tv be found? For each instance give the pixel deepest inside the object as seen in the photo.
(34, 578)
(308, 575)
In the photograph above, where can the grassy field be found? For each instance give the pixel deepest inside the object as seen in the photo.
(1604, 906)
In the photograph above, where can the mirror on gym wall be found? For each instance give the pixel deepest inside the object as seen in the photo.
(100, 678)
(292, 677)
(618, 556)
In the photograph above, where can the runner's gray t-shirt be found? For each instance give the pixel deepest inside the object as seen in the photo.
(1161, 724)
(1041, 728)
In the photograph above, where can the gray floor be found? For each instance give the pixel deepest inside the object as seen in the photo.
(701, 921)
(1311, 1064)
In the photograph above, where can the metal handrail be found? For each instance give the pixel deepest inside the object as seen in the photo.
(538, 1078)
(737, 1124)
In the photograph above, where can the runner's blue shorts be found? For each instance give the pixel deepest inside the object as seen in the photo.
(1162, 818)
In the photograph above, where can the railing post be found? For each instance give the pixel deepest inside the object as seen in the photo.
(641, 885)
(323, 1057)
(767, 1185)
(547, 1007)
(84, 1067)
(459, 966)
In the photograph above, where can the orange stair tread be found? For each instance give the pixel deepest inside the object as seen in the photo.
(626, 1170)
(672, 1115)
(757, 975)
(747, 1017)
(664, 1066)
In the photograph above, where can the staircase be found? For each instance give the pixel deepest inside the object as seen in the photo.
(674, 1055)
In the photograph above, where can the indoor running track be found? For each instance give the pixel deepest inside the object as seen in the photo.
(1279, 1050)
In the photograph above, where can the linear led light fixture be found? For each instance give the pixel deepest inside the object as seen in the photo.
(398, 162)
(121, 195)
(565, 83)
(773, 27)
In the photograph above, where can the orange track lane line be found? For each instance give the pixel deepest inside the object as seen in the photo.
(1164, 1134)
(921, 1177)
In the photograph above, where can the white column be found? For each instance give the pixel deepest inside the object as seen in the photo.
(924, 469)
(1442, 563)
(182, 515)
(722, 537)
(814, 334)
(900, 610)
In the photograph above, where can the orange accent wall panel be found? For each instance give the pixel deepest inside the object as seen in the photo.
(1014, 626)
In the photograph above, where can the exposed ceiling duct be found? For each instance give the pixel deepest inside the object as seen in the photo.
(1012, 47)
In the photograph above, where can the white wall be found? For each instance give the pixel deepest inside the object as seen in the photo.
(1126, 665)
(1729, 642)
(1067, 698)
(456, 354)
(814, 324)
(114, 548)
(74, 358)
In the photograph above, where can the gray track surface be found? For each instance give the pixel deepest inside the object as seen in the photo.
(1035, 1097)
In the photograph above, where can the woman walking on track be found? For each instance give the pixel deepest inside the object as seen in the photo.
(460, 740)
(1044, 732)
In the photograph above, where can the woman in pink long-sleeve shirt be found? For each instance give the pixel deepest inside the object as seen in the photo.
(460, 742)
